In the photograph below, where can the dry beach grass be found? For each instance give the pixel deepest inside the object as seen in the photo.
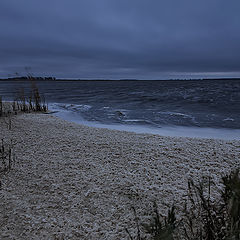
(76, 182)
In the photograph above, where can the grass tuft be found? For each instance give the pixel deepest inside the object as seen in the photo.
(203, 217)
(7, 158)
(161, 228)
(31, 102)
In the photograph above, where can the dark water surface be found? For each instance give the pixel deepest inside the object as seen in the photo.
(198, 103)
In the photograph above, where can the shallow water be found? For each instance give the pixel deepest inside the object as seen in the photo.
(180, 107)
(174, 131)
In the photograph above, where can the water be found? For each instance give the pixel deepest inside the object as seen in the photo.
(181, 108)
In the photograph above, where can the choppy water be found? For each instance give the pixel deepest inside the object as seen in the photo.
(153, 104)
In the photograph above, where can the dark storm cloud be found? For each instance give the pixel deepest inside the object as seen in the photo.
(120, 39)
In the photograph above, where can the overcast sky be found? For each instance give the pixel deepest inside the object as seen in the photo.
(144, 39)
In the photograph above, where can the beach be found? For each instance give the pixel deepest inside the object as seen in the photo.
(76, 182)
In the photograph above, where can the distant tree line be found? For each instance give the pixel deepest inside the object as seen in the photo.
(35, 78)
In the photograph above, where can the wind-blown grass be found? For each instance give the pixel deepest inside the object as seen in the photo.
(203, 217)
(33, 101)
(7, 158)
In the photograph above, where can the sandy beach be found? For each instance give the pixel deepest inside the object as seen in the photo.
(77, 182)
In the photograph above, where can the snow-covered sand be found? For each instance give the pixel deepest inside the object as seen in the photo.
(76, 182)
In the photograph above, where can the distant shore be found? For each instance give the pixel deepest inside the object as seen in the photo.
(100, 79)
(76, 182)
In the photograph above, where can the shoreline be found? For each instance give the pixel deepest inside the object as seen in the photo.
(161, 130)
(164, 130)
(77, 182)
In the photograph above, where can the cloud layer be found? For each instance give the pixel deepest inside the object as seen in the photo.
(120, 39)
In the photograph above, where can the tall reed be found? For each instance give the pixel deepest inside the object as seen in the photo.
(1, 106)
(203, 217)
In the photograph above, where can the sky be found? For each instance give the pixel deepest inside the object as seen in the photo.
(120, 39)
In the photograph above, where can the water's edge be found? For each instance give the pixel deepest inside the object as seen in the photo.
(172, 131)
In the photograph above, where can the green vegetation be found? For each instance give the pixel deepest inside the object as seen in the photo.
(7, 158)
(31, 102)
(203, 217)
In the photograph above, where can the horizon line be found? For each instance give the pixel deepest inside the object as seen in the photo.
(49, 78)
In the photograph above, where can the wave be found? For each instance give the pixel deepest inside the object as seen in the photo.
(145, 126)
(177, 114)
(229, 119)
(73, 107)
